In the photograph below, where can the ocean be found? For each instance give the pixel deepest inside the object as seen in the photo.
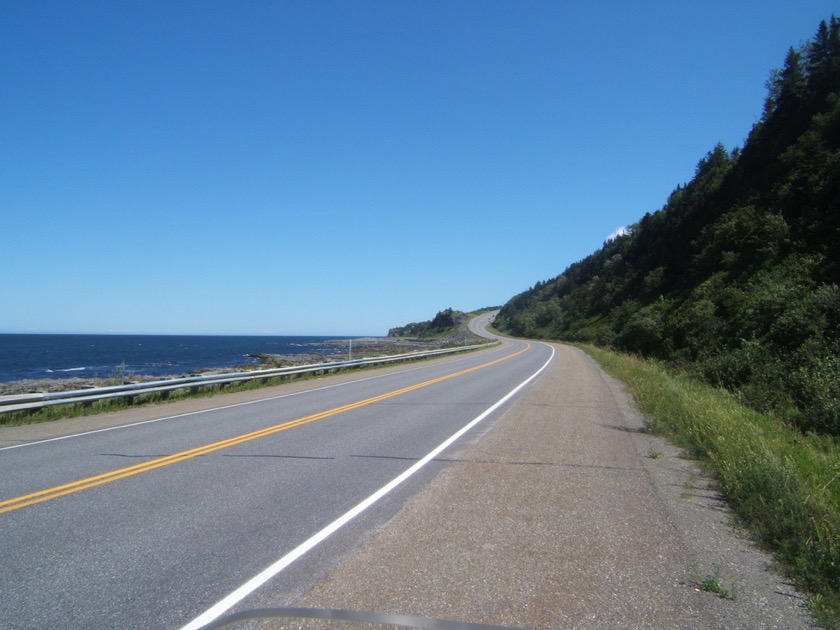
(31, 356)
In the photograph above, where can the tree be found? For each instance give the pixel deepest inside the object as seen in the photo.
(736, 277)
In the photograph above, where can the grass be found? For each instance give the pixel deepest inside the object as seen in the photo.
(713, 583)
(783, 485)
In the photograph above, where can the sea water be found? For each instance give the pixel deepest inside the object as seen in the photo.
(32, 356)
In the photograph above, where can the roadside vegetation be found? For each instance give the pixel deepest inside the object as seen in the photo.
(783, 485)
(737, 278)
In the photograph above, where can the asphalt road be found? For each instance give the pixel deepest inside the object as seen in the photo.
(564, 514)
(149, 518)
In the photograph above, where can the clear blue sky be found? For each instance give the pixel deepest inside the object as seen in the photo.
(251, 167)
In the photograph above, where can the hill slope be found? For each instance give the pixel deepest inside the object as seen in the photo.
(736, 278)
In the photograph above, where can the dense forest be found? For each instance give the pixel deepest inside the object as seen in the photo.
(736, 278)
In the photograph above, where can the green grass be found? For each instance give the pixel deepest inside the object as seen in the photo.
(713, 583)
(783, 485)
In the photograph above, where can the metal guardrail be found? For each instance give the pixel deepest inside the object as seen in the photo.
(21, 402)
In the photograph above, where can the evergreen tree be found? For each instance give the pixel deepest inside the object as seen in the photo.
(737, 278)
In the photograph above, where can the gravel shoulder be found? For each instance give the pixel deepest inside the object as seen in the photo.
(565, 514)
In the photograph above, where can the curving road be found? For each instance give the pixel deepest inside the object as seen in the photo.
(169, 521)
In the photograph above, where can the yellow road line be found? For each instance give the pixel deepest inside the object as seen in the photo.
(121, 473)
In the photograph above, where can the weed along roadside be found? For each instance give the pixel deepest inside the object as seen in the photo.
(783, 486)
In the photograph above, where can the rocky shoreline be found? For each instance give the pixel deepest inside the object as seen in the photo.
(366, 347)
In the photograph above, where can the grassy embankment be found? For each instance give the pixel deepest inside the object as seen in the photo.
(784, 486)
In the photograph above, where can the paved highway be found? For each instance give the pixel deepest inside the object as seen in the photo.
(170, 522)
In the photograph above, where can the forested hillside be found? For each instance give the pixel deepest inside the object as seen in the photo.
(446, 321)
(736, 278)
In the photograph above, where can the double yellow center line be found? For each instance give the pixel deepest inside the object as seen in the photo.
(98, 480)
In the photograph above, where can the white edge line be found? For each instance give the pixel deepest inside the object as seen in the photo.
(218, 609)
(195, 413)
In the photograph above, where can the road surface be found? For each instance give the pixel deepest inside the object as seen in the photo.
(153, 522)
(548, 511)
(566, 514)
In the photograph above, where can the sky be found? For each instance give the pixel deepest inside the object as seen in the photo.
(345, 167)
